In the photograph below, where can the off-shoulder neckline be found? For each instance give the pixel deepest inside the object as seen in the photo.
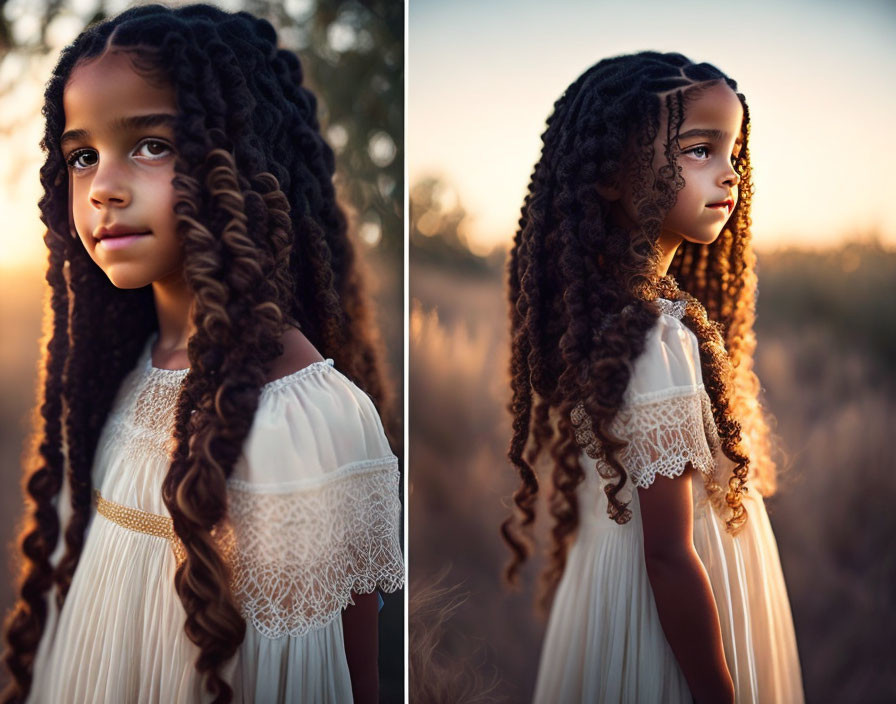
(178, 375)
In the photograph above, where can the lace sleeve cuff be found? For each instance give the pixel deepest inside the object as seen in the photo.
(665, 433)
(297, 552)
(665, 430)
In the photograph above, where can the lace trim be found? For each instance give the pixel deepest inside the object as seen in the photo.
(663, 435)
(673, 308)
(297, 556)
(175, 377)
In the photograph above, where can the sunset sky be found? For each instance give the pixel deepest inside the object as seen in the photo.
(818, 76)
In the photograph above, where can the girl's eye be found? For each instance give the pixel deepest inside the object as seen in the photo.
(155, 149)
(701, 152)
(156, 145)
(72, 159)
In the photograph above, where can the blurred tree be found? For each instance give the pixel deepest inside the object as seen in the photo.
(355, 61)
(436, 212)
(437, 229)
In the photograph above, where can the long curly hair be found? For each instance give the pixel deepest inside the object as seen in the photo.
(266, 245)
(582, 292)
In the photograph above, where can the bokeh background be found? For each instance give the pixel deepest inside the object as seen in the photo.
(353, 55)
(482, 79)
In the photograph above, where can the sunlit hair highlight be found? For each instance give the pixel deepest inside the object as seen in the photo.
(266, 245)
(582, 293)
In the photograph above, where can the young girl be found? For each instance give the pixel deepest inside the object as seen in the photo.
(229, 500)
(632, 290)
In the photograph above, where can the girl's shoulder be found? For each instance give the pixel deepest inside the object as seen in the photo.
(670, 362)
(298, 352)
(305, 388)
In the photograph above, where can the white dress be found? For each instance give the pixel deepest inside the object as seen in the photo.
(604, 641)
(313, 514)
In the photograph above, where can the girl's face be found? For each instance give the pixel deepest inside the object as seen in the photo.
(709, 140)
(119, 144)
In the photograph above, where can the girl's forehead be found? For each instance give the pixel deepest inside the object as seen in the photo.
(715, 109)
(716, 103)
(110, 85)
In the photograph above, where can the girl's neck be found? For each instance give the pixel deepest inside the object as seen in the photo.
(174, 307)
(668, 243)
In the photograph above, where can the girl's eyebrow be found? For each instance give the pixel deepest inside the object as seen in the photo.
(718, 135)
(128, 122)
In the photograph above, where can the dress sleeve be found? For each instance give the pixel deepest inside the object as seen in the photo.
(666, 416)
(313, 505)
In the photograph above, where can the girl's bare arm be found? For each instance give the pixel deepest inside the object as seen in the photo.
(681, 588)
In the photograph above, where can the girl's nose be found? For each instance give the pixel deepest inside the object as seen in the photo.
(109, 187)
(730, 177)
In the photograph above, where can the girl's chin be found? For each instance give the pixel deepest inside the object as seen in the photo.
(130, 274)
(128, 285)
(702, 237)
(125, 281)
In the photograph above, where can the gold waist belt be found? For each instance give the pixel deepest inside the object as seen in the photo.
(141, 522)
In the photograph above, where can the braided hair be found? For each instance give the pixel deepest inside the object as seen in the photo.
(265, 245)
(582, 289)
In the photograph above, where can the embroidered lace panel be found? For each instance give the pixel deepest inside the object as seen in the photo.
(665, 431)
(298, 555)
(142, 422)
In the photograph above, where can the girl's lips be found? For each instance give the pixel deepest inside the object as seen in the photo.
(724, 204)
(119, 242)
